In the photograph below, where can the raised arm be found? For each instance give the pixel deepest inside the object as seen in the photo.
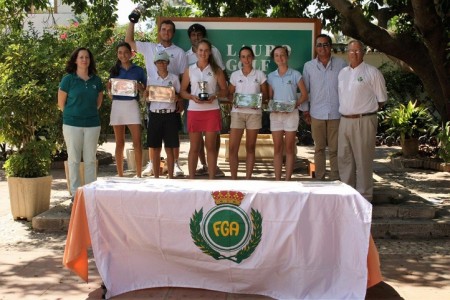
(129, 36)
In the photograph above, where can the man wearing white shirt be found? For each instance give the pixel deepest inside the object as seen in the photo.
(177, 66)
(362, 92)
(196, 33)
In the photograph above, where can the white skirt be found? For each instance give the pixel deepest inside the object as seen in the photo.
(125, 112)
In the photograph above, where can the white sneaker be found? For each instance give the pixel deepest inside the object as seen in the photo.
(148, 171)
(177, 172)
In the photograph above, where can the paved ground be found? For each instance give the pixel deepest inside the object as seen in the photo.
(31, 262)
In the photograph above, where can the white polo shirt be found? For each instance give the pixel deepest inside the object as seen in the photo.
(196, 75)
(178, 61)
(192, 57)
(170, 80)
(250, 84)
(360, 89)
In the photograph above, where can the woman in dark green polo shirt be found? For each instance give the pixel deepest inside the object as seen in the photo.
(80, 95)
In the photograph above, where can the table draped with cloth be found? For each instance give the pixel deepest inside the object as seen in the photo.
(313, 238)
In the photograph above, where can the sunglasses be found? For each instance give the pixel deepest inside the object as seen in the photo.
(324, 45)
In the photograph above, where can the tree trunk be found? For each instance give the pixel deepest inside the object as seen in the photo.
(427, 59)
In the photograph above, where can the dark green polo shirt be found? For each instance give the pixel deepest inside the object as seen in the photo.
(81, 105)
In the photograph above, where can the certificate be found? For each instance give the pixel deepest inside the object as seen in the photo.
(123, 87)
(161, 93)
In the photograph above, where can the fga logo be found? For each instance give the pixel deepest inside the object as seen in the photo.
(226, 232)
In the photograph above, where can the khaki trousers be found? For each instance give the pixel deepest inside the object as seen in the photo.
(325, 133)
(356, 152)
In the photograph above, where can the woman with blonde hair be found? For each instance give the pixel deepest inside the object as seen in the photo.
(204, 112)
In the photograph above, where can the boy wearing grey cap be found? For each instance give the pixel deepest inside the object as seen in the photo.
(163, 120)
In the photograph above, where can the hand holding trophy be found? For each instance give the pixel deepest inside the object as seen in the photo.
(136, 14)
(203, 95)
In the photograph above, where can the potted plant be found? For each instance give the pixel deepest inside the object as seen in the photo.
(408, 122)
(29, 77)
(443, 136)
(29, 180)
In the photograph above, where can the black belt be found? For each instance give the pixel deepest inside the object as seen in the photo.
(359, 115)
(162, 111)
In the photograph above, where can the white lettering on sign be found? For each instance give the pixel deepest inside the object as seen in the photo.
(259, 50)
(234, 64)
(230, 51)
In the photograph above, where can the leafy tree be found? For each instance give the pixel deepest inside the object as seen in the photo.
(29, 69)
(415, 32)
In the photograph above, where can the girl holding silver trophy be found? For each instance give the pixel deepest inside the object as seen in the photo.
(207, 83)
(247, 90)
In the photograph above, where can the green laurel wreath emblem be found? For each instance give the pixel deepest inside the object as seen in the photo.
(244, 253)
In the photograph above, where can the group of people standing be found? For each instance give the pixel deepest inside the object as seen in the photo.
(343, 101)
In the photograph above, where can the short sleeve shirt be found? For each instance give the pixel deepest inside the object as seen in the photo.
(178, 61)
(284, 87)
(170, 80)
(133, 73)
(80, 109)
(360, 89)
(192, 57)
(250, 84)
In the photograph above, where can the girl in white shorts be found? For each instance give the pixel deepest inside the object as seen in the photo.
(283, 85)
(245, 81)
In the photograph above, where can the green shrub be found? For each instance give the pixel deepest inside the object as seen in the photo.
(34, 160)
(408, 121)
(444, 142)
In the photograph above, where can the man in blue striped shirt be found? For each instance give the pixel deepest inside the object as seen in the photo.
(321, 79)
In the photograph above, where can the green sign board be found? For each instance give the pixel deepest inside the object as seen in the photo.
(230, 34)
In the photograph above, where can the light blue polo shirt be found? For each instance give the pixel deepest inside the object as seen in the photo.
(284, 87)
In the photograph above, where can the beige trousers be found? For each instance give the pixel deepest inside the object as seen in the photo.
(356, 152)
(325, 133)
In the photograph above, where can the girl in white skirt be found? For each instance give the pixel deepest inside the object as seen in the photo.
(125, 109)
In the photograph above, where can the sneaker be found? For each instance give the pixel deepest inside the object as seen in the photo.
(219, 172)
(203, 170)
(148, 171)
(177, 172)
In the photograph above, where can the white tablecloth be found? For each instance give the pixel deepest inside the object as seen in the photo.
(315, 238)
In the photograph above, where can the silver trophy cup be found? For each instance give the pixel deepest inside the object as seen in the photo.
(136, 14)
(203, 95)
